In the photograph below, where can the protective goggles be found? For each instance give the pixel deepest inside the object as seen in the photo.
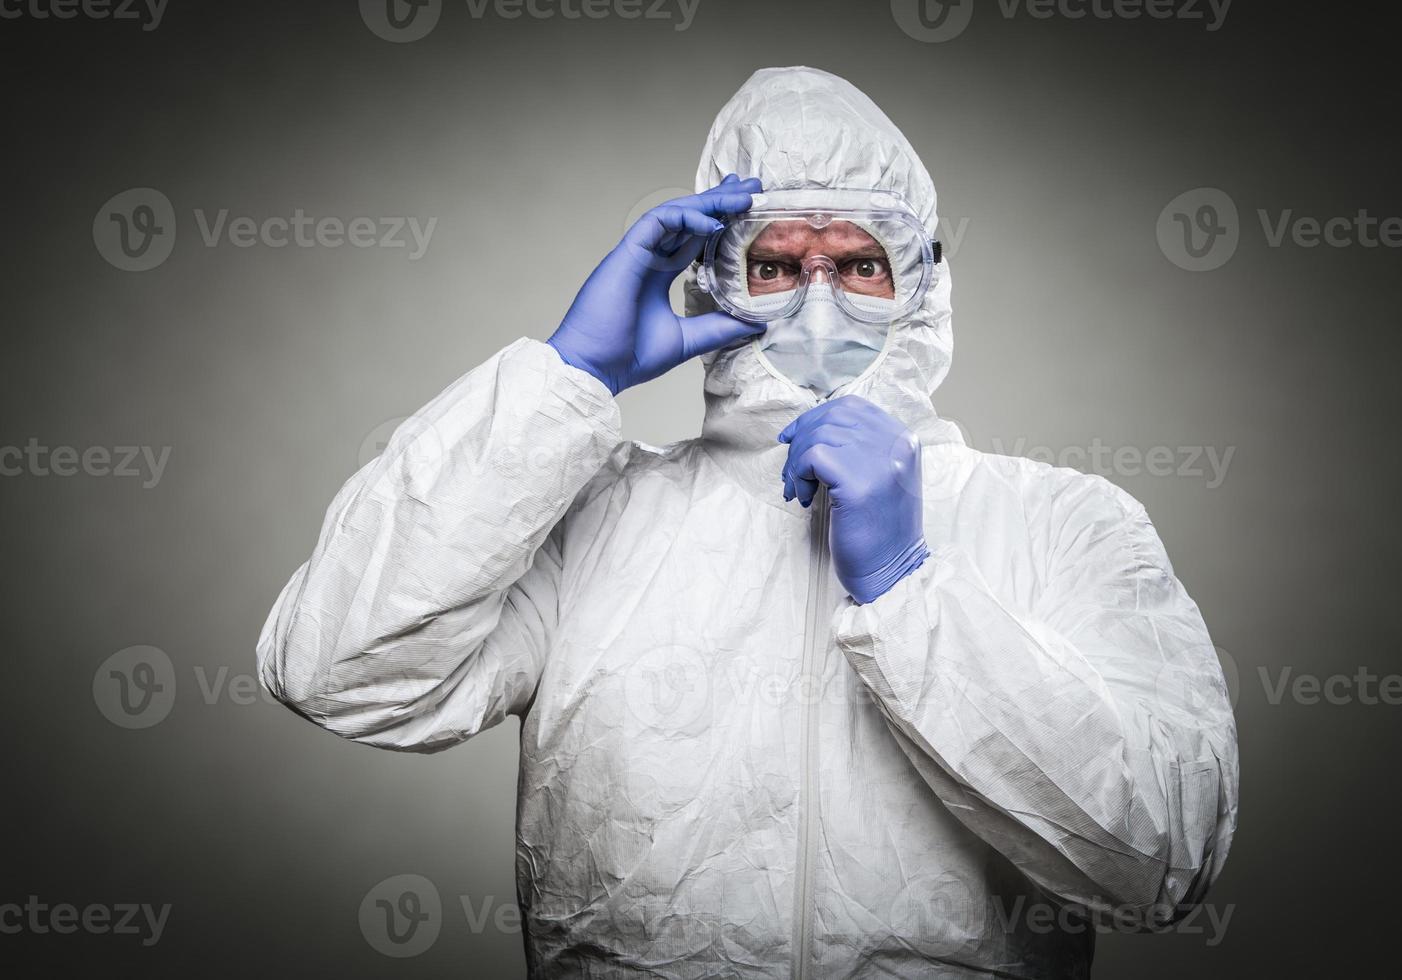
(868, 246)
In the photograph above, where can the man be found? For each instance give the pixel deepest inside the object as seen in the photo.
(892, 727)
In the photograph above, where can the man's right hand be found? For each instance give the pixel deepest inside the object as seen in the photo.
(621, 327)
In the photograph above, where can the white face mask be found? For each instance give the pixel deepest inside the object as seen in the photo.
(821, 347)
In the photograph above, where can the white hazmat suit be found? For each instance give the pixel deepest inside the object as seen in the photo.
(728, 767)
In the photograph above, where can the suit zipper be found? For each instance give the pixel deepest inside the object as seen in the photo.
(814, 647)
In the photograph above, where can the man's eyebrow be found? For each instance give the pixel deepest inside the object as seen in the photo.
(866, 250)
(770, 253)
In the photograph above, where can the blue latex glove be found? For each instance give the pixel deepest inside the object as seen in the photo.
(870, 464)
(621, 327)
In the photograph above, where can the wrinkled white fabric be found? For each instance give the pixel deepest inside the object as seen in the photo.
(822, 346)
(728, 768)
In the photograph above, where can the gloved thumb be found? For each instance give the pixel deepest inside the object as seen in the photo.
(712, 331)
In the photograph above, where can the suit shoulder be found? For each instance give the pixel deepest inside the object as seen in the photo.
(632, 462)
(1059, 487)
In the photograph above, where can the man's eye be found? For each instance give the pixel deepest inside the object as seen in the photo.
(869, 268)
(766, 270)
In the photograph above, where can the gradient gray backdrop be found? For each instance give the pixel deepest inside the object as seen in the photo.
(532, 141)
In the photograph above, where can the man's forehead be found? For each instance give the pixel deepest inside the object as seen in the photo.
(801, 238)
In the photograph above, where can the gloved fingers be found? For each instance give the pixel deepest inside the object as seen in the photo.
(837, 438)
(712, 331)
(722, 203)
(817, 464)
(854, 410)
(787, 434)
(667, 226)
(819, 435)
(673, 255)
(730, 196)
(676, 230)
(830, 412)
(801, 421)
(801, 490)
(733, 183)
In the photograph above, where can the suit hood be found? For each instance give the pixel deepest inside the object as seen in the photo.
(805, 128)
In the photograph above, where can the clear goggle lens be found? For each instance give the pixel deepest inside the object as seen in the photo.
(879, 261)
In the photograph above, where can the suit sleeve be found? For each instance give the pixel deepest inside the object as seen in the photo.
(425, 613)
(1089, 739)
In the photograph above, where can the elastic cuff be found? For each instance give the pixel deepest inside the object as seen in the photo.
(874, 586)
(580, 365)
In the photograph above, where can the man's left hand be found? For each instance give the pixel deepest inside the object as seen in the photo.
(870, 464)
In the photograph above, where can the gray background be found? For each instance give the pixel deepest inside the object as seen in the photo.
(532, 141)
